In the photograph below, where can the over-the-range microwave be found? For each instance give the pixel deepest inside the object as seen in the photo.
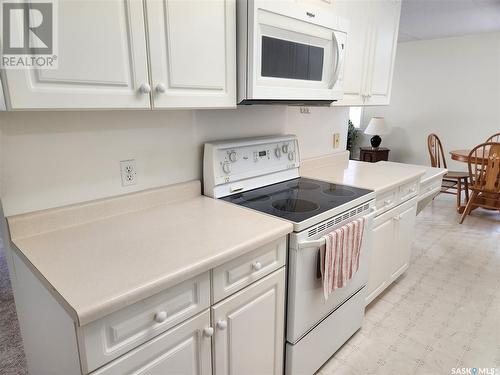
(289, 53)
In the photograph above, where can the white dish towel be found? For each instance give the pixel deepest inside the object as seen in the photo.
(340, 255)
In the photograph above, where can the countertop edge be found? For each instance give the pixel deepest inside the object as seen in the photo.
(50, 288)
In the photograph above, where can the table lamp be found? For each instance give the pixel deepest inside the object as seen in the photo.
(376, 127)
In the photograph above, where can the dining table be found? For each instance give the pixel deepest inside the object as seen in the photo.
(462, 155)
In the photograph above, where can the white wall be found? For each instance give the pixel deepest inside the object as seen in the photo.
(56, 158)
(450, 87)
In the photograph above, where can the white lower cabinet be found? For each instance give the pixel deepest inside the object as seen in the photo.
(249, 329)
(405, 228)
(183, 350)
(392, 236)
(382, 238)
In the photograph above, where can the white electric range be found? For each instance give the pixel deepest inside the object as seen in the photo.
(263, 174)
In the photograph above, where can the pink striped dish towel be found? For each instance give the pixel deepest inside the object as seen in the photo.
(339, 257)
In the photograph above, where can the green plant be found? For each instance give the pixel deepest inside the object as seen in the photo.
(352, 134)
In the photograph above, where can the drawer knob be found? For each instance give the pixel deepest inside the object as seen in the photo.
(257, 266)
(387, 202)
(412, 190)
(222, 325)
(161, 316)
(208, 332)
(397, 217)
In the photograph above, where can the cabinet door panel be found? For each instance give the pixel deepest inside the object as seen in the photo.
(385, 36)
(400, 258)
(183, 350)
(252, 342)
(356, 57)
(382, 243)
(101, 58)
(3, 106)
(192, 52)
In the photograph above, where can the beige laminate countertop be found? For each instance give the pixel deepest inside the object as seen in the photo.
(380, 177)
(100, 257)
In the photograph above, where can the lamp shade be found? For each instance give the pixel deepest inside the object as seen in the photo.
(377, 126)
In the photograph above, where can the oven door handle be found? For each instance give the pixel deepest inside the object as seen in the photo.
(322, 241)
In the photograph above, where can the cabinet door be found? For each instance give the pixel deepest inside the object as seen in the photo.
(184, 350)
(405, 228)
(192, 47)
(382, 243)
(249, 329)
(384, 33)
(356, 57)
(101, 59)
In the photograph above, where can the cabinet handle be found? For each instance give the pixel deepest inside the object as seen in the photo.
(387, 202)
(257, 266)
(413, 189)
(144, 88)
(222, 325)
(161, 88)
(160, 316)
(208, 332)
(396, 218)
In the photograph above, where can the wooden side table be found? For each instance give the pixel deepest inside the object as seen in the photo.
(373, 155)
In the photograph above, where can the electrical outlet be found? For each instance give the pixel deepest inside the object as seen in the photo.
(128, 172)
(336, 140)
(305, 110)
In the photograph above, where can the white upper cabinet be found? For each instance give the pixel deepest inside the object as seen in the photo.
(101, 59)
(371, 50)
(192, 49)
(105, 49)
(383, 51)
(2, 98)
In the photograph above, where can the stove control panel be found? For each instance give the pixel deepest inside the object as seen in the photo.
(249, 162)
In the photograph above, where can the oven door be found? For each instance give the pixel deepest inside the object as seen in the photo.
(297, 55)
(306, 303)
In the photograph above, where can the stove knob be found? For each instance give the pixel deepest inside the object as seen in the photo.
(284, 148)
(291, 155)
(278, 152)
(226, 167)
(233, 156)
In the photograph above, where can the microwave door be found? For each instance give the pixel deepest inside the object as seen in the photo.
(293, 59)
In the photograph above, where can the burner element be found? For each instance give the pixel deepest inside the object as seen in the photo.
(295, 205)
(339, 191)
(303, 185)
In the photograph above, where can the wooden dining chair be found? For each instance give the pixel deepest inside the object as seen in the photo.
(494, 138)
(452, 180)
(485, 177)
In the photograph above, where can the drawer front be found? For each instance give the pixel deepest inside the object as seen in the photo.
(408, 191)
(108, 338)
(430, 186)
(386, 201)
(236, 274)
(185, 349)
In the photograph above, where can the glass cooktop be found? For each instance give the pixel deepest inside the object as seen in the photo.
(298, 199)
